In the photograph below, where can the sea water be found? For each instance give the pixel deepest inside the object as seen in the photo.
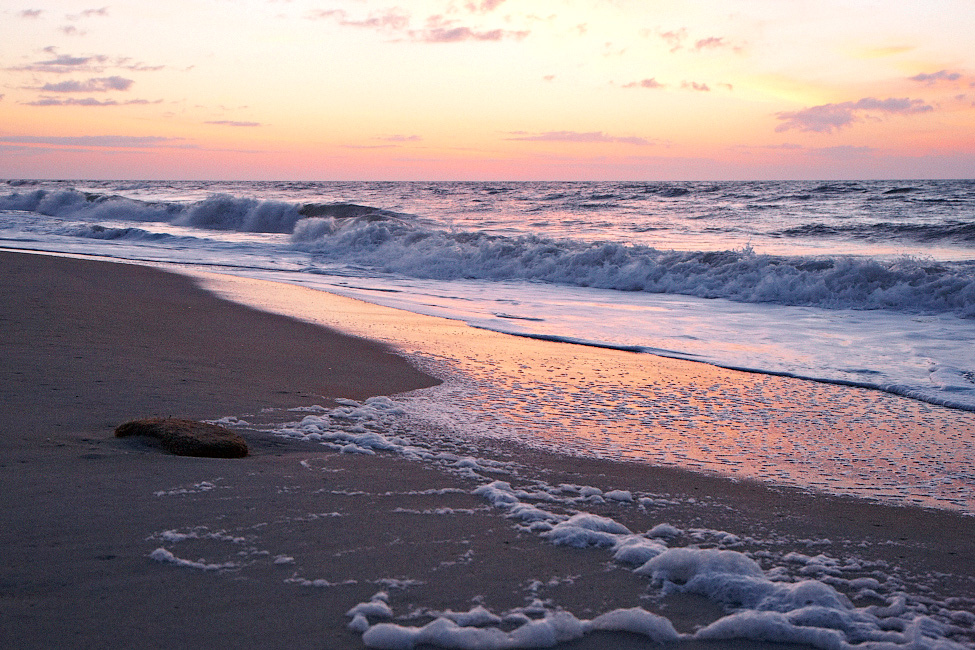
(862, 283)
(868, 284)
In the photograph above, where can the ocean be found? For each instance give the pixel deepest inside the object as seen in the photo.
(848, 285)
(854, 283)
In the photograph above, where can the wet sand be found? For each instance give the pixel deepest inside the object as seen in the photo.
(86, 345)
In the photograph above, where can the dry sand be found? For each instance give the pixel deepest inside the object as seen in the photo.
(85, 345)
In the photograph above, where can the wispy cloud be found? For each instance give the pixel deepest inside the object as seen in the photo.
(72, 30)
(674, 38)
(88, 13)
(715, 43)
(585, 137)
(934, 77)
(233, 123)
(99, 85)
(393, 19)
(827, 118)
(126, 63)
(65, 63)
(843, 151)
(484, 6)
(393, 141)
(109, 141)
(679, 39)
(68, 61)
(653, 84)
(785, 146)
(58, 63)
(437, 29)
(696, 86)
(30, 13)
(650, 83)
(440, 30)
(87, 101)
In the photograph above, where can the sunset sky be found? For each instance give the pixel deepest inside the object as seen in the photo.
(487, 89)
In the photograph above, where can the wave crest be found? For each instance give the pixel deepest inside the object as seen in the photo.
(371, 237)
(72, 204)
(908, 284)
(226, 212)
(216, 212)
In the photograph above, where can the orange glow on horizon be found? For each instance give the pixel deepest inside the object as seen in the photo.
(523, 89)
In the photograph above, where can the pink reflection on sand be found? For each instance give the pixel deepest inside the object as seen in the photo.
(638, 407)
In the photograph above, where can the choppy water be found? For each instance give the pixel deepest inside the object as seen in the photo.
(865, 283)
(862, 283)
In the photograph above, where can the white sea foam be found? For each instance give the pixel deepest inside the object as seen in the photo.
(165, 556)
(202, 486)
(803, 598)
(553, 628)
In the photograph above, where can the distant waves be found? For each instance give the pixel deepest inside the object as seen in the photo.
(906, 284)
(217, 212)
(388, 241)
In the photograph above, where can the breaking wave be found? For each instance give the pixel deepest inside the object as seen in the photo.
(96, 231)
(908, 284)
(216, 212)
(349, 233)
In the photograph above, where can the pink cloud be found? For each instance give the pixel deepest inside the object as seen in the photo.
(110, 141)
(579, 137)
(710, 42)
(651, 83)
(485, 6)
(100, 85)
(439, 30)
(826, 118)
(934, 77)
(715, 43)
(233, 123)
(87, 101)
(393, 19)
(674, 38)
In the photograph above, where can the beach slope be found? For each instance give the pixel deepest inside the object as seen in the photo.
(112, 542)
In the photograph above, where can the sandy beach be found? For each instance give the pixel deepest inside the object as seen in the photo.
(271, 551)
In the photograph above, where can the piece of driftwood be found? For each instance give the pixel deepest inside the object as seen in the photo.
(187, 437)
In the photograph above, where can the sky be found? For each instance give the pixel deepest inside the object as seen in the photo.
(487, 89)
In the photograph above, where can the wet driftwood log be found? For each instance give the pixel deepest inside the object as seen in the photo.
(187, 437)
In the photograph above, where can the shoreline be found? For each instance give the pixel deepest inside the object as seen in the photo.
(602, 402)
(85, 511)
